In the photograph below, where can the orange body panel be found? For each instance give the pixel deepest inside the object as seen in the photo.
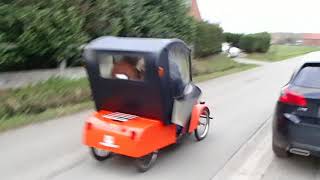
(134, 138)
(197, 110)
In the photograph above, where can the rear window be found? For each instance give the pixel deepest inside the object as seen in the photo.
(308, 77)
(121, 67)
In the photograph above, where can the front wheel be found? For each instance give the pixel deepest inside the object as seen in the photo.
(146, 162)
(99, 154)
(203, 127)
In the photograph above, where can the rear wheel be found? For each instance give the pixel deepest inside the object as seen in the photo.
(146, 162)
(280, 152)
(99, 154)
(203, 127)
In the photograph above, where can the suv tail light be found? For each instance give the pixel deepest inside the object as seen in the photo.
(290, 97)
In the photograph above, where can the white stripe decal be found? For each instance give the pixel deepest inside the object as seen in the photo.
(119, 116)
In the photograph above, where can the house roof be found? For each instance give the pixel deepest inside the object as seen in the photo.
(311, 36)
(195, 12)
(194, 9)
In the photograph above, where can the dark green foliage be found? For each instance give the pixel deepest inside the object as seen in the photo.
(208, 39)
(259, 42)
(41, 37)
(248, 43)
(232, 38)
(143, 18)
(40, 34)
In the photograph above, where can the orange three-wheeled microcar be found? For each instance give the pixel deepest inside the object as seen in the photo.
(144, 97)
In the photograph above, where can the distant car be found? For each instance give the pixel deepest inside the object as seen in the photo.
(296, 123)
(234, 52)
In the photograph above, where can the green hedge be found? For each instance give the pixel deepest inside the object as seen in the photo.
(259, 42)
(42, 36)
(46, 32)
(232, 38)
(208, 39)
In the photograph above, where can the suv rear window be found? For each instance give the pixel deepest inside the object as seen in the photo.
(308, 77)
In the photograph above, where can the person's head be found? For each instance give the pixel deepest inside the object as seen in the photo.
(132, 65)
(132, 60)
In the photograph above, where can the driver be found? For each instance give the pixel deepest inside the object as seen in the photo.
(176, 84)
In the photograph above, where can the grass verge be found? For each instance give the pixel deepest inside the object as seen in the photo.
(58, 97)
(209, 76)
(216, 66)
(282, 52)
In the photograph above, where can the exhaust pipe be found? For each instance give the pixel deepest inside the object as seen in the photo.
(300, 152)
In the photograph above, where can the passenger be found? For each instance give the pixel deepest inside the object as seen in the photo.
(128, 66)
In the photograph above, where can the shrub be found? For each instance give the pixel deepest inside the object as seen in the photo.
(232, 38)
(259, 42)
(264, 42)
(47, 32)
(248, 43)
(208, 40)
(143, 18)
(43, 37)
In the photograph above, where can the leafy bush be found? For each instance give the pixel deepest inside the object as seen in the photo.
(47, 32)
(232, 38)
(208, 40)
(264, 42)
(248, 43)
(53, 93)
(143, 18)
(43, 37)
(259, 42)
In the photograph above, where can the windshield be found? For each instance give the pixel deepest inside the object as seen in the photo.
(308, 77)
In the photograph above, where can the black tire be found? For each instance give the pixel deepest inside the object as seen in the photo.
(197, 133)
(144, 163)
(280, 152)
(96, 155)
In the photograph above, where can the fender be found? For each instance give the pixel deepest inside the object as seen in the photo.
(195, 115)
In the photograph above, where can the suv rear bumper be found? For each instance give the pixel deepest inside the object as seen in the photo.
(288, 135)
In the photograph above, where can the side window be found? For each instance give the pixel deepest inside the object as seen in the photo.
(121, 67)
(179, 64)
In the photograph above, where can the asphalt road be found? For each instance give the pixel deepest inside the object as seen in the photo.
(242, 104)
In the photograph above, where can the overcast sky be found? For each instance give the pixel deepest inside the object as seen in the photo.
(247, 16)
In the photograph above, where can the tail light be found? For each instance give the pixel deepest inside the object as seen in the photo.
(290, 97)
(88, 126)
(133, 135)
